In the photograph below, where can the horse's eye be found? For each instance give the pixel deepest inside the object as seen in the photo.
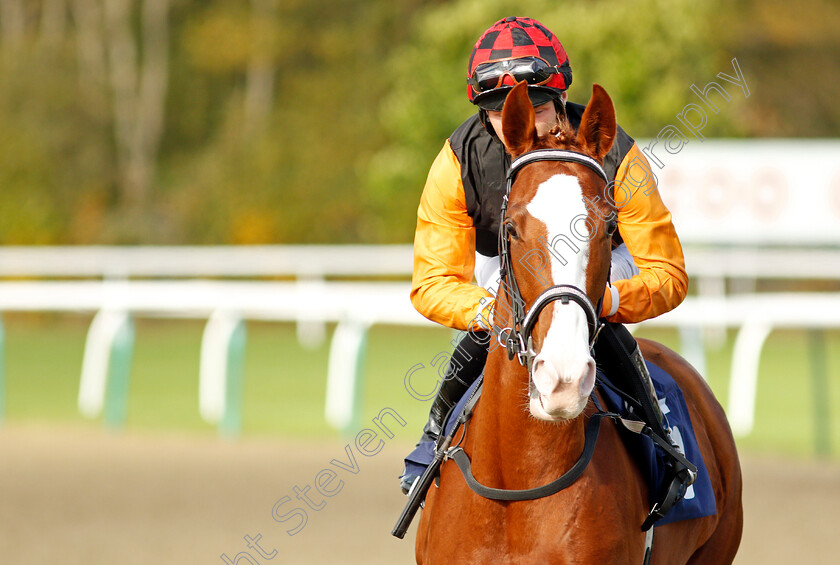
(611, 227)
(510, 228)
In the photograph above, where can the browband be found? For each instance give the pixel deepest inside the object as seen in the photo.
(555, 155)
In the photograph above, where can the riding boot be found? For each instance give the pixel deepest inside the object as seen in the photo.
(452, 388)
(618, 354)
(465, 366)
(659, 423)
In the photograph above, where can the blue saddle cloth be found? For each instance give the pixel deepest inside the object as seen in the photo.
(699, 499)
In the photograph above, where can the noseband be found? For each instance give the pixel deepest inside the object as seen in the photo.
(518, 340)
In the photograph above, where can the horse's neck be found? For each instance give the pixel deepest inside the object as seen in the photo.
(524, 447)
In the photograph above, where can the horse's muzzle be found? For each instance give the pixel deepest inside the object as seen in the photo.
(560, 393)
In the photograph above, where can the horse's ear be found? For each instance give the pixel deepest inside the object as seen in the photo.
(518, 121)
(597, 126)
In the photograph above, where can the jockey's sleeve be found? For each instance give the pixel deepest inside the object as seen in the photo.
(645, 226)
(444, 250)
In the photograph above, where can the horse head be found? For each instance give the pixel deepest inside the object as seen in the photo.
(557, 232)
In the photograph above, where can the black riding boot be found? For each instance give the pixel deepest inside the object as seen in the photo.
(618, 354)
(465, 366)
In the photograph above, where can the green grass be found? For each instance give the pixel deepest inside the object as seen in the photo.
(284, 384)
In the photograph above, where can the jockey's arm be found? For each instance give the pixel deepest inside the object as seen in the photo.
(645, 226)
(444, 251)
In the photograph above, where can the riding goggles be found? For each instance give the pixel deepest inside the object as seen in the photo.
(490, 75)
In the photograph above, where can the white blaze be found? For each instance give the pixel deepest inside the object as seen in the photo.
(564, 357)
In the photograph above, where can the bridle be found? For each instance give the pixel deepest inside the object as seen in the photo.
(518, 339)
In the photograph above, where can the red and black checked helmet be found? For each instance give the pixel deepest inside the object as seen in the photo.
(512, 50)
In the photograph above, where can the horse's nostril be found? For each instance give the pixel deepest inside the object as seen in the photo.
(587, 383)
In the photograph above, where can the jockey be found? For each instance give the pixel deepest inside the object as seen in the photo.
(458, 223)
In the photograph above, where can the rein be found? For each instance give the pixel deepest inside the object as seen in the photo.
(443, 451)
(518, 340)
(564, 481)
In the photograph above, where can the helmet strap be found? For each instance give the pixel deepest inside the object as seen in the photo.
(560, 106)
(482, 116)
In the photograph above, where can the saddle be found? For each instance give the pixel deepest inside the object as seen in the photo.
(667, 504)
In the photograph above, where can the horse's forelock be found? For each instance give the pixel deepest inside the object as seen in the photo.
(561, 136)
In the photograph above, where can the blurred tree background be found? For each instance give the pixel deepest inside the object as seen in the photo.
(284, 121)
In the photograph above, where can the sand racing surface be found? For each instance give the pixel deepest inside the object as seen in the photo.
(85, 496)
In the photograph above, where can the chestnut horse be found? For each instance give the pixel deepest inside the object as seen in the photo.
(528, 429)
